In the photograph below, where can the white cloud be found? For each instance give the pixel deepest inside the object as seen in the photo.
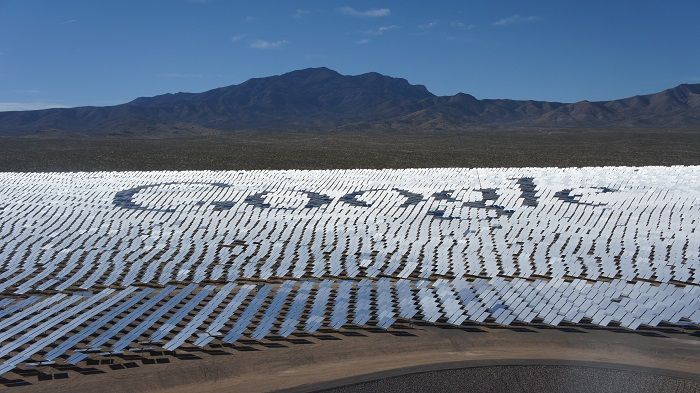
(428, 25)
(381, 30)
(178, 75)
(238, 37)
(299, 13)
(362, 42)
(263, 44)
(249, 19)
(371, 13)
(69, 21)
(516, 19)
(28, 106)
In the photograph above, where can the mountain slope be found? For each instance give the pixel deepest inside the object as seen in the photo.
(320, 98)
(679, 106)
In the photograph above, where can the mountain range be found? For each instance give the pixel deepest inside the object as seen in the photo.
(323, 99)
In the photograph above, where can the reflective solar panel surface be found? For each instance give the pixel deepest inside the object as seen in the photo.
(121, 261)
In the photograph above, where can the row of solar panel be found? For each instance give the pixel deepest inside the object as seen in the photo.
(116, 320)
(53, 239)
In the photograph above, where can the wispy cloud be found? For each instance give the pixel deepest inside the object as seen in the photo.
(299, 13)
(69, 21)
(428, 25)
(238, 37)
(513, 19)
(249, 19)
(263, 44)
(381, 30)
(371, 13)
(462, 26)
(28, 106)
(362, 42)
(179, 75)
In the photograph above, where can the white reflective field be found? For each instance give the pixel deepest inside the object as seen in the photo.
(110, 261)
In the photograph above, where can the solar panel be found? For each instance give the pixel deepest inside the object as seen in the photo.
(245, 318)
(332, 248)
(152, 318)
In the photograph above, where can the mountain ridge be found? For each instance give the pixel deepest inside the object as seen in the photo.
(323, 99)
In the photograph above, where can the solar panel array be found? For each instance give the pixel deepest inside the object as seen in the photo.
(110, 262)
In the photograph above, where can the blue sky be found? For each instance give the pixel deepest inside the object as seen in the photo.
(69, 53)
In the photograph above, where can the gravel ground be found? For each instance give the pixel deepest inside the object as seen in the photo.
(535, 378)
